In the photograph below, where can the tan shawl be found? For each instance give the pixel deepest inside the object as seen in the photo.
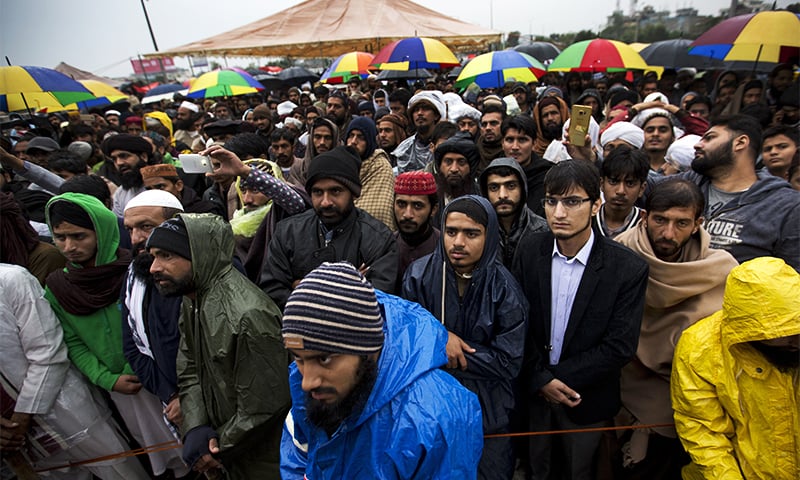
(678, 294)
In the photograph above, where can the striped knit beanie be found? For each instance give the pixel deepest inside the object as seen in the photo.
(333, 309)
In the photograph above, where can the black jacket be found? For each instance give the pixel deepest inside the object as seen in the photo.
(298, 246)
(527, 222)
(534, 173)
(603, 329)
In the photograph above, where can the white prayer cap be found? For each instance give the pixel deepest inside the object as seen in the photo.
(154, 198)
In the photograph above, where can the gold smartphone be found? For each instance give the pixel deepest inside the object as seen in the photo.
(579, 119)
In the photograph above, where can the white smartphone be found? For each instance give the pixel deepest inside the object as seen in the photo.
(194, 163)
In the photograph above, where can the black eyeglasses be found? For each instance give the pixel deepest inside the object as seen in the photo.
(570, 203)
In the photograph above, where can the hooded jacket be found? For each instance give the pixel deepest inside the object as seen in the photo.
(375, 173)
(525, 223)
(491, 317)
(763, 221)
(736, 413)
(417, 423)
(94, 341)
(231, 361)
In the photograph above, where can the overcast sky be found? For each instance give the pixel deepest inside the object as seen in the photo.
(102, 35)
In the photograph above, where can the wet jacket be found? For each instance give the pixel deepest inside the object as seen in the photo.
(736, 413)
(525, 224)
(491, 318)
(763, 221)
(417, 423)
(298, 246)
(231, 361)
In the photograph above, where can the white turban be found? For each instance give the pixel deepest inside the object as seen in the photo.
(189, 106)
(285, 108)
(624, 131)
(646, 115)
(434, 97)
(681, 153)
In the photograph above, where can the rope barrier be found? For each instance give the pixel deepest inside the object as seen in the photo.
(160, 447)
(579, 430)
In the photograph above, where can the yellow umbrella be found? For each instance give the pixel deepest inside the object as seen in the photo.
(106, 94)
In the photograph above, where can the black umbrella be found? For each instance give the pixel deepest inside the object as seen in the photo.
(675, 54)
(542, 51)
(296, 76)
(404, 74)
(270, 82)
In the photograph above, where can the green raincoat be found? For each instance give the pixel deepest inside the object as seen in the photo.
(232, 367)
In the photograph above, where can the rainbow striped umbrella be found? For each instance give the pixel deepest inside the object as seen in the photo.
(493, 69)
(347, 66)
(226, 82)
(106, 95)
(598, 55)
(415, 53)
(764, 36)
(41, 88)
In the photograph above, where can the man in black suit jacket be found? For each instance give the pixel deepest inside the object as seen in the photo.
(586, 296)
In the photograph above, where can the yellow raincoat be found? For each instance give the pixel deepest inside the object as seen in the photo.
(737, 415)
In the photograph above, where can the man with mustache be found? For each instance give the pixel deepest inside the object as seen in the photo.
(457, 160)
(549, 114)
(466, 287)
(623, 179)
(150, 333)
(85, 297)
(425, 109)
(685, 284)
(334, 230)
(231, 365)
(734, 378)
(368, 389)
(415, 204)
(503, 184)
(129, 153)
(748, 213)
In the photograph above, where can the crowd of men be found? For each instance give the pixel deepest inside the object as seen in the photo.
(389, 281)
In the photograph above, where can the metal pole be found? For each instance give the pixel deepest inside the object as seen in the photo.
(153, 37)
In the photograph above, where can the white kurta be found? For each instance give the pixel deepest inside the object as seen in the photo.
(36, 365)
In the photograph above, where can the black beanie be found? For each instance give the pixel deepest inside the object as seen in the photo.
(172, 237)
(469, 208)
(66, 211)
(341, 164)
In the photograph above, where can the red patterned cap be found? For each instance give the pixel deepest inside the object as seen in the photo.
(415, 183)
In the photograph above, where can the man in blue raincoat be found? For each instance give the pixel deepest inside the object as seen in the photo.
(466, 287)
(368, 397)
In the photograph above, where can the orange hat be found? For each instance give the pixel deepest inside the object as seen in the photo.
(161, 170)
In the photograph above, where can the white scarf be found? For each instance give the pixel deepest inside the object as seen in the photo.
(135, 290)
